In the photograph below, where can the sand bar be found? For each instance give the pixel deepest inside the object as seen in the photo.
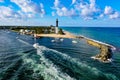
(66, 35)
(70, 35)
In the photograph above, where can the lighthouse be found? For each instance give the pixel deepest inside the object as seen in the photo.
(56, 27)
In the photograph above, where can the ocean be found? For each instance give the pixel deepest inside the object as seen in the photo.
(60, 60)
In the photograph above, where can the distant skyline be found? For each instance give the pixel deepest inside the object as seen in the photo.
(90, 13)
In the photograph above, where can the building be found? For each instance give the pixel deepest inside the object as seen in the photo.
(56, 27)
(22, 31)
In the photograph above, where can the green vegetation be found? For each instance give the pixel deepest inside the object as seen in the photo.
(61, 32)
(37, 29)
(5, 27)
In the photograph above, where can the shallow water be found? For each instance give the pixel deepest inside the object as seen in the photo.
(51, 61)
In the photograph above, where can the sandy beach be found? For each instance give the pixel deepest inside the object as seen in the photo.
(66, 35)
(72, 36)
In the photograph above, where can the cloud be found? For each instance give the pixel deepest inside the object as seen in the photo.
(28, 9)
(8, 13)
(61, 10)
(88, 10)
(101, 15)
(29, 6)
(1, 0)
(84, 9)
(108, 10)
(42, 10)
(112, 14)
(53, 13)
(56, 3)
(65, 12)
(73, 1)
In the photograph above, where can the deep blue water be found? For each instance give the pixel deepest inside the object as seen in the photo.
(57, 61)
(109, 35)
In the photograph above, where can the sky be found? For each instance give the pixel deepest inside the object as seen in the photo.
(90, 13)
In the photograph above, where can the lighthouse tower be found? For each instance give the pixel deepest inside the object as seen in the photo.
(56, 27)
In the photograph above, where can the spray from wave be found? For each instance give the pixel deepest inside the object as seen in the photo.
(72, 66)
(43, 67)
(55, 65)
(46, 68)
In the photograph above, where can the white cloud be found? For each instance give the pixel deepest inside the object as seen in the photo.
(65, 12)
(8, 13)
(42, 10)
(88, 10)
(92, 3)
(85, 9)
(61, 10)
(101, 15)
(56, 3)
(73, 1)
(53, 13)
(28, 9)
(108, 10)
(30, 15)
(28, 6)
(1, 0)
(114, 16)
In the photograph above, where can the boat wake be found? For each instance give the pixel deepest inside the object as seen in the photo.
(36, 45)
(54, 65)
(48, 70)
(63, 64)
(23, 41)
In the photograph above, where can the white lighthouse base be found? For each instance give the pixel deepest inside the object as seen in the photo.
(56, 30)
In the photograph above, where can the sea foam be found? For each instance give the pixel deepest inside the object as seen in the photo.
(81, 68)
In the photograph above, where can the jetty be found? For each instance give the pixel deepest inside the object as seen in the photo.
(106, 50)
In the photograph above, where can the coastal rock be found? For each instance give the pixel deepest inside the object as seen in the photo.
(105, 54)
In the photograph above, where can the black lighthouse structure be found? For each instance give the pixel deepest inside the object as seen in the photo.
(56, 22)
(56, 27)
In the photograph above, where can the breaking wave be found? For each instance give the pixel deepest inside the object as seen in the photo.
(70, 66)
(54, 65)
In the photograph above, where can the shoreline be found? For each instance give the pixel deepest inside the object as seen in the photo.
(105, 54)
(105, 49)
(72, 36)
(66, 35)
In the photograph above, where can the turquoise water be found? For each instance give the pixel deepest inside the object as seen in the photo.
(54, 61)
(104, 34)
